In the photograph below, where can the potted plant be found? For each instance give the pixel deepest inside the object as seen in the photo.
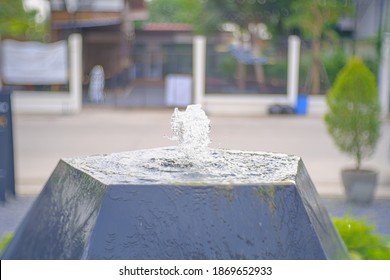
(353, 121)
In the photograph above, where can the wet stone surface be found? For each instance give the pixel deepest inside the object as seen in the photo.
(14, 210)
(157, 204)
(170, 166)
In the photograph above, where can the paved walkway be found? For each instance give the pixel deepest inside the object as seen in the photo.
(41, 140)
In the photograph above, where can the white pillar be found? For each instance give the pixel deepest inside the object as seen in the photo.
(384, 76)
(199, 68)
(293, 69)
(75, 73)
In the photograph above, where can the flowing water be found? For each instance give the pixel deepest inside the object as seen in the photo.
(191, 130)
(191, 161)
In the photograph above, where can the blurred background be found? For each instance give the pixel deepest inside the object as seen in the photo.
(113, 86)
(140, 42)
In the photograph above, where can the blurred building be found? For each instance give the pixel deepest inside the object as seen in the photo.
(372, 18)
(107, 29)
(161, 49)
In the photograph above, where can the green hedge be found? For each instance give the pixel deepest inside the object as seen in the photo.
(361, 240)
(4, 241)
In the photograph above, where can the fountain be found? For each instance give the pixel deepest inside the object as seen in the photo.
(182, 202)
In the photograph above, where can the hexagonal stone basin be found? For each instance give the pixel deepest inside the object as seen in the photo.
(158, 204)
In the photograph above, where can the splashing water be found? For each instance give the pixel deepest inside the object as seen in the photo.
(163, 166)
(191, 130)
(191, 161)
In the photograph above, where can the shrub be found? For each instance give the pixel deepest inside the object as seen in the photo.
(361, 240)
(333, 63)
(353, 119)
(5, 241)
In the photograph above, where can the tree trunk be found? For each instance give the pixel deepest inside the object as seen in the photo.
(241, 76)
(316, 68)
(259, 69)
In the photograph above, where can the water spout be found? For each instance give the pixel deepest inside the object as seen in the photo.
(191, 130)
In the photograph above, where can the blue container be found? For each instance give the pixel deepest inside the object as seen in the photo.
(301, 106)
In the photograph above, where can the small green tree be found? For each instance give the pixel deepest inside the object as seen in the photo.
(353, 119)
(316, 20)
(248, 18)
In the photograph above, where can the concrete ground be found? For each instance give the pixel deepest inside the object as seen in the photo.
(40, 141)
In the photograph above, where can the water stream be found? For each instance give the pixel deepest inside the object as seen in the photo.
(191, 130)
